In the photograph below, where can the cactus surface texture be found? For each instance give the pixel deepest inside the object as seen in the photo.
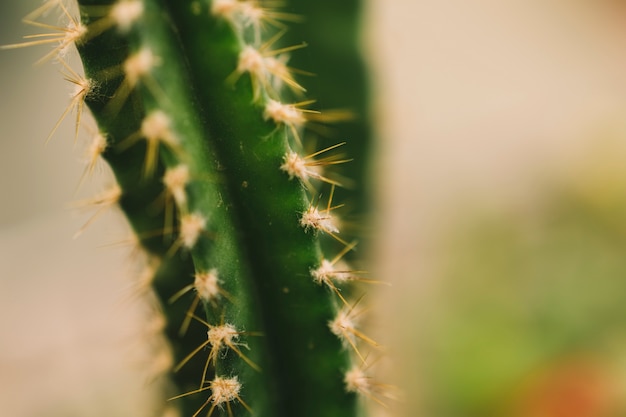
(204, 125)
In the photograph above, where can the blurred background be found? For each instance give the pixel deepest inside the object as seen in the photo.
(499, 172)
(501, 189)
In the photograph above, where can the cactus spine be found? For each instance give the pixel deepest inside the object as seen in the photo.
(196, 108)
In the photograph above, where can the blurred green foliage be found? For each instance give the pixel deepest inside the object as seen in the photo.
(537, 292)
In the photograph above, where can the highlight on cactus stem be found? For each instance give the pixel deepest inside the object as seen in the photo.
(204, 125)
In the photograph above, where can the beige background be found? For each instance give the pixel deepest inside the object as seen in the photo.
(478, 103)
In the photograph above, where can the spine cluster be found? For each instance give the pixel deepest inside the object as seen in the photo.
(200, 115)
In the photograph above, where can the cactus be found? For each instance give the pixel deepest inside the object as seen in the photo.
(198, 113)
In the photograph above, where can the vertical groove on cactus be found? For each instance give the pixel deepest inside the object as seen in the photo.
(202, 123)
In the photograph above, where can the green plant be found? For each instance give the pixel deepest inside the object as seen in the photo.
(528, 315)
(189, 98)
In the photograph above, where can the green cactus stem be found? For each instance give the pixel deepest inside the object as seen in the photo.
(200, 112)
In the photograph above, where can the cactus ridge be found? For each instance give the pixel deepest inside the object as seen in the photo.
(197, 114)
